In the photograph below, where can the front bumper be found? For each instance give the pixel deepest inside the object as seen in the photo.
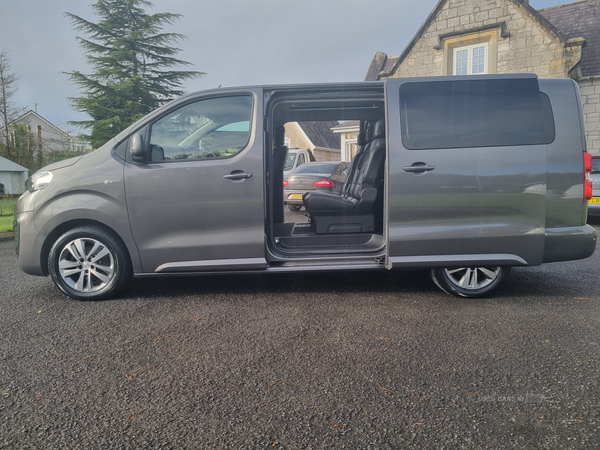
(28, 244)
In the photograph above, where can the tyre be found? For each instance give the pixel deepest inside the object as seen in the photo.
(472, 282)
(89, 263)
(295, 208)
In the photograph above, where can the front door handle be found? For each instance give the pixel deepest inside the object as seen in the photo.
(418, 168)
(237, 175)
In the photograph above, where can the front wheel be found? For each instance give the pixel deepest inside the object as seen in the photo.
(472, 282)
(294, 207)
(89, 263)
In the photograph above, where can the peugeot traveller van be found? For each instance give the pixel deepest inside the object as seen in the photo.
(464, 176)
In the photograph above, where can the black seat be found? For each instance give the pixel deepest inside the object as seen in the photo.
(354, 212)
(280, 152)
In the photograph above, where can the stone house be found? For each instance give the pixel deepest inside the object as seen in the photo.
(315, 136)
(464, 37)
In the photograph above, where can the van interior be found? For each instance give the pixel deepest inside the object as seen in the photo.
(345, 224)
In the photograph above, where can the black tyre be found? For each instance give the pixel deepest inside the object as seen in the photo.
(294, 208)
(472, 282)
(89, 263)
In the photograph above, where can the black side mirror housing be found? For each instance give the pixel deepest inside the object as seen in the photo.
(136, 148)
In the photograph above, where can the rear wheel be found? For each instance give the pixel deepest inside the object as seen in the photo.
(473, 282)
(89, 263)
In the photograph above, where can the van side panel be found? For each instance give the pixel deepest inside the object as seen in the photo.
(567, 235)
(486, 202)
(564, 161)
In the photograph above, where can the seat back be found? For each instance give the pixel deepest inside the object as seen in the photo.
(371, 174)
(361, 142)
(360, 161)
(280, 152)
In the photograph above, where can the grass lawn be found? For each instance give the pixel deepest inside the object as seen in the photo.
(7, 207)
(6, 223)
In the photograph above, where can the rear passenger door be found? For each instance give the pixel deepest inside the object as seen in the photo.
(466, 171)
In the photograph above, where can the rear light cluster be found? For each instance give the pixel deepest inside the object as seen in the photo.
(285, 183)
(587, 191)
(323, 182)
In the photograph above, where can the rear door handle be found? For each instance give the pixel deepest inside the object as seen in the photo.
(237, 175)
(418, 167)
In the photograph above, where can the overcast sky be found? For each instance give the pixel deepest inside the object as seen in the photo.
(237, 42)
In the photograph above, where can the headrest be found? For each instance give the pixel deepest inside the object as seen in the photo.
(379, 129)
(362, 138)
(369, 133)
(279, 138)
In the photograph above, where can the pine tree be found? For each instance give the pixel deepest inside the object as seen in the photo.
(130, 57)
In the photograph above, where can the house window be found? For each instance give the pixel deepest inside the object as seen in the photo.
(471, 53)
(471, 60)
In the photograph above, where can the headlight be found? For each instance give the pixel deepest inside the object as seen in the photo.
(39, 181)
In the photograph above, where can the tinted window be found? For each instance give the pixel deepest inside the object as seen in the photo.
(211, 128)
(474, 113)
(315, 168)
(595, 165)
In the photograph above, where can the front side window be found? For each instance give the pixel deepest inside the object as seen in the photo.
(211, 128)
(470, 60)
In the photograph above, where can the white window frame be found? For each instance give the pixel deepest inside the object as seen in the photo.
(469, 49)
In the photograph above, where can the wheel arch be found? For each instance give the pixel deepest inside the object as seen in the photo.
(62, 228)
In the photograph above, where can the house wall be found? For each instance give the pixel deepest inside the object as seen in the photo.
(590, 98)
(297, 137)
(52, 139)
(521, 45)
(327, 154)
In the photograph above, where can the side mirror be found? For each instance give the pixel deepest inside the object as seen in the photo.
(136, 148)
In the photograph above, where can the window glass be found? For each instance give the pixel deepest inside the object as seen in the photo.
(211, 128)
(471, 59)
(474, 113)
(301, 159)
(289, 163)
(316, 168)
(595, 165)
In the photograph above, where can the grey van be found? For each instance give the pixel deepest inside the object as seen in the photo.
(464, 176)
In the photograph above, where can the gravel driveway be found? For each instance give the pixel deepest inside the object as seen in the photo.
(357, 361)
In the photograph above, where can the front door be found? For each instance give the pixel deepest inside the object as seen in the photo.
(466, 171)
(197, 203)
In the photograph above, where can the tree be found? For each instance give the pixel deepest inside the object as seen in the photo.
(130, 57)
(8, 111)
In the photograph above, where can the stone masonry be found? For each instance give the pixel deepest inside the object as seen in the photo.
(524, 46)
(590, 98)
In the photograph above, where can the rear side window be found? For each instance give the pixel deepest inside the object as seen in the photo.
(475, 113)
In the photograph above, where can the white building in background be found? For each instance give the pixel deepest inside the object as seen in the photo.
(51, 137)
(12, 177)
